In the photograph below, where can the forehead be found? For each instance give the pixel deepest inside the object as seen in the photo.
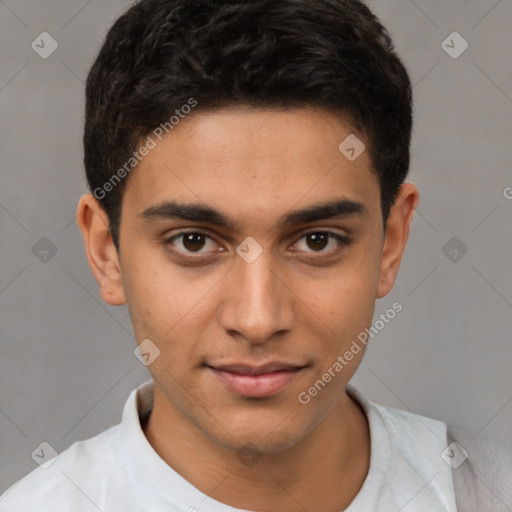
(256, 161)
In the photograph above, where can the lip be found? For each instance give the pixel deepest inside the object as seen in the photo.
(256, 381)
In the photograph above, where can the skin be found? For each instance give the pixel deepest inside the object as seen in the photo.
(300, 301)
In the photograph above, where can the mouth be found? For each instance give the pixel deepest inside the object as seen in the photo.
(256, 381)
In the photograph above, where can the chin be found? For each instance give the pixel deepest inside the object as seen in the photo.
(264, 437)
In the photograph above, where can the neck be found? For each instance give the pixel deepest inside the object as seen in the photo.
(324, 471)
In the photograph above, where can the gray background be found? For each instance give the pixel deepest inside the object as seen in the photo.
(67, 363)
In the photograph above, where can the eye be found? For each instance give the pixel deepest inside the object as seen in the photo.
(193, 242)
(321, 242)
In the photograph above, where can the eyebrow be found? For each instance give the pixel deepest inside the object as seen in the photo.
(197, 212)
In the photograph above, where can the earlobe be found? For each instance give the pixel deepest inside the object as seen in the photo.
(100, 249)
(397, 233)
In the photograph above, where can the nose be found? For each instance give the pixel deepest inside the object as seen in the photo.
(257, 304)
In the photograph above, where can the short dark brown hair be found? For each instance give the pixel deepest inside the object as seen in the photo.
(161, 55)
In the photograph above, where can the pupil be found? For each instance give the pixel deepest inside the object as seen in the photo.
(317, 241)
(193, 241)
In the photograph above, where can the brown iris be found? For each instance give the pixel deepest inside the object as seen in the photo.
(193, 241)
(317, 241)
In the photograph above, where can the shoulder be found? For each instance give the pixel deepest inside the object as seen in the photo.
(475, 470)
(407, 451)
(71, 482)
(403, 427)
(90, 475)
(483, 474)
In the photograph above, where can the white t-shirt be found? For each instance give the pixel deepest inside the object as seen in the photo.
(119, 471)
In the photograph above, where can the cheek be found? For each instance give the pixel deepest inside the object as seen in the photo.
(167, 305)
(345, 298)
(152, 305)
(345, 302)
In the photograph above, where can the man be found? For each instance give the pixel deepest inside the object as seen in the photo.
(247, 162)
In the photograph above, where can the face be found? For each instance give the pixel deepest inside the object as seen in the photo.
(251, 254)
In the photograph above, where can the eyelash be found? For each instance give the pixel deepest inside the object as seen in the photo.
(343, 241)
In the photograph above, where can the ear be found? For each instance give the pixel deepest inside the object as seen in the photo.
(397, 233)
(100, 249)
